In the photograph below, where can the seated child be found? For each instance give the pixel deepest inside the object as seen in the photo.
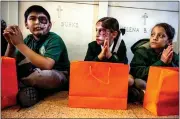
(103, 49)
(158, 51)
(108, 46)
(42, 58)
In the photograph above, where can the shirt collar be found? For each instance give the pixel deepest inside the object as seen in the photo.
(42, 38)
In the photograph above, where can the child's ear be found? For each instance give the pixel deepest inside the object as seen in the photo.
(26, 25)
(115, 33)
(49, 27)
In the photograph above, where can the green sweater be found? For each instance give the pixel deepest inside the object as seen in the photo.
(50, 45)
(144, 57)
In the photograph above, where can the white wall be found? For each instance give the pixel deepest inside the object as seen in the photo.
(168, 6)
(9, 12)
(103, 9)
(91, 12)
(178, 48)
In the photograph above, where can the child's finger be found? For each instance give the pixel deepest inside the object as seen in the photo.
(165, 52)
(108, 43)
(7, 36)
(9, 30)
(105, 48)
(105, 43)
(14, 27)
(169, 54)
(170, 57)
(168, 49)
(17, 28)
(170, 46)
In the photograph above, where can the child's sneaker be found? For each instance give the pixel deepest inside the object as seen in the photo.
(135, 95)
(27, 96)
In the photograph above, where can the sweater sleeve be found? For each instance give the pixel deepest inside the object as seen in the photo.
(90, 55)
(175, 60)
(140, 66)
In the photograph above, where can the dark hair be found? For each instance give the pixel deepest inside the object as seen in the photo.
(170, 31)
(110, 23)
(38, 9)
(4, 43)
(3, 24)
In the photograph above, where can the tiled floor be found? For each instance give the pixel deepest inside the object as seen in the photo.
(56, 106)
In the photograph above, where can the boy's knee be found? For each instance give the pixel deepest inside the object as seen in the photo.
(139, 83)
(32, 79)
(47, 79)
(130, 80)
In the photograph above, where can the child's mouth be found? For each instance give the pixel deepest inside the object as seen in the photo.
(154, 43)
(38, 28)
(99, 40)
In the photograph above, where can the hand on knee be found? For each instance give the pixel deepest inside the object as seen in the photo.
(130, 80)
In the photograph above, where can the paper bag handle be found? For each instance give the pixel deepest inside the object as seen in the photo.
(90, 70)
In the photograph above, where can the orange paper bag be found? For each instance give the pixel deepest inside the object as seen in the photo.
(98, 85)
(162, 91)
(9, 86)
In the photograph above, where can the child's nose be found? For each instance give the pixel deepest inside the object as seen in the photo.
(155, 38)
(97, 33)
(37, 21)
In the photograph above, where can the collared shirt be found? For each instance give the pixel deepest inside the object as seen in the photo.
(50, 45)
(94, 49)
